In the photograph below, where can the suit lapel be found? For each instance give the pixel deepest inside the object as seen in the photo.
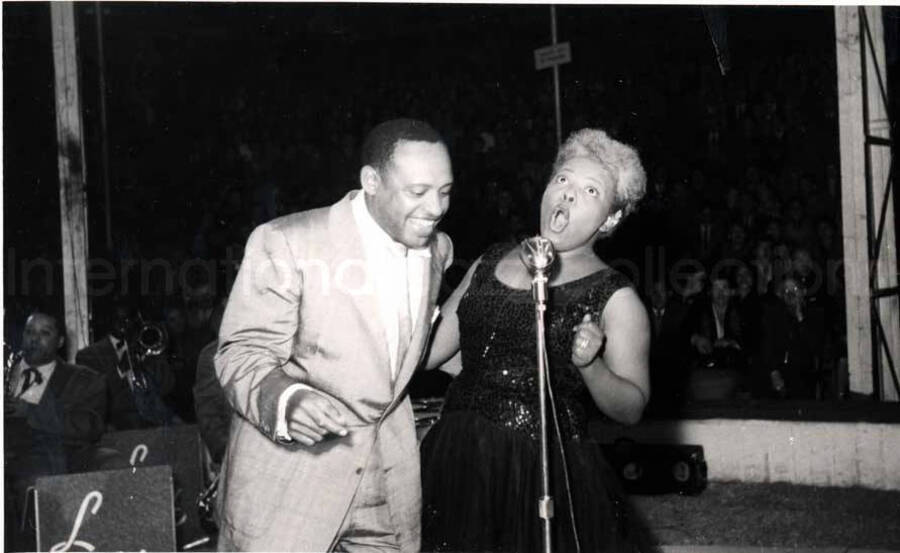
(348, 250)
(58, 380)
(110, 351)
(348, 247)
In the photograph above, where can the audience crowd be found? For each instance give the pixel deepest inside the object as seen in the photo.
(744, 189)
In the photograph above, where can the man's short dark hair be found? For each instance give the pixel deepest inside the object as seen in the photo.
(379, 144)
(58, 321)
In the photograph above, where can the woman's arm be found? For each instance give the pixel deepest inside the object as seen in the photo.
(619, 380)
(445, 343)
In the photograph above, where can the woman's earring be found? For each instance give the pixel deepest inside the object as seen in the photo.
(611, 222)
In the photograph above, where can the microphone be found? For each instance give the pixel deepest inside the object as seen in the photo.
(538, 255)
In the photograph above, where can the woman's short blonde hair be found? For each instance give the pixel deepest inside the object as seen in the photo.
(621, 160)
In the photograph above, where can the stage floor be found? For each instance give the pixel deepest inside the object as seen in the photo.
(743, 518)
(738, 549)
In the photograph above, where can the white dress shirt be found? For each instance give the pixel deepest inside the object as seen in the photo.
(35, 392)
(395, 270)
(121, 348)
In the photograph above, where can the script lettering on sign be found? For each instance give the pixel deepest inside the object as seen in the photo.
(85, 546)
(138, 454)
(119, 510)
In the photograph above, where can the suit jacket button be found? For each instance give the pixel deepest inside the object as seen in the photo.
(358, 470)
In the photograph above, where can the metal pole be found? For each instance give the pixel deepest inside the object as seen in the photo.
(104, 143)
(556, 79)
(537, 254)
(545, 503)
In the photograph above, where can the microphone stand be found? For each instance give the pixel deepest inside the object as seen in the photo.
(537, 254)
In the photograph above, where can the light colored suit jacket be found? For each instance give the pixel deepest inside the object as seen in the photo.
(300, 311)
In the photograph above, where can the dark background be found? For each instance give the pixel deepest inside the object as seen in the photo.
(221, 116)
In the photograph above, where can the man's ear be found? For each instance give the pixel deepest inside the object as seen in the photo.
(60, 342)
(369, 179)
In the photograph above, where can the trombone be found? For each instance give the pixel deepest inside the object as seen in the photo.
(150, 340)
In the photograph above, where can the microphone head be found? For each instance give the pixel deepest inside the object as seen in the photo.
(537, 254)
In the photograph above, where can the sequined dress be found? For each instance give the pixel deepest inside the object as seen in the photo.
(481, 461)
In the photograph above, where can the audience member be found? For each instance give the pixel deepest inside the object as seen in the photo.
(707, 234)
(798, 232)
(716, 333)
(791, 348)
(735, 246)
(748, 305)
(763, 266)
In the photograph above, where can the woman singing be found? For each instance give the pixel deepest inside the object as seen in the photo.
(481, 461)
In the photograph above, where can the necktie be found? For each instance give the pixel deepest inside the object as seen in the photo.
(405, 319)
(30, 377)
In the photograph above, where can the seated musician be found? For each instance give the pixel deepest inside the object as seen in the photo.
(53, 415)
(138, 385)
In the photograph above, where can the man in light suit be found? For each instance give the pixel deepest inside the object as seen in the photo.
(328, 318)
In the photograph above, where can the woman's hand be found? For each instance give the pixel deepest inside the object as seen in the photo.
(588, 341)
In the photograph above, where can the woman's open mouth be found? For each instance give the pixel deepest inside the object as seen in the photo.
(559, 219)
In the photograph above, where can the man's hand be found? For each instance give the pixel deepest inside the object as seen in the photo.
(311, 416)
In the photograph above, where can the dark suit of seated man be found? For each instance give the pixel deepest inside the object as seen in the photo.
(129, 408)
(212, 409)
(53, 415)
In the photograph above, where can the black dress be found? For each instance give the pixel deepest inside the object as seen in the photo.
(481, 461)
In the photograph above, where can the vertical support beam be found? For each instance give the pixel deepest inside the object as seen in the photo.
(853, 199)
(72, 191)
(885, 252)
(857, 114)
